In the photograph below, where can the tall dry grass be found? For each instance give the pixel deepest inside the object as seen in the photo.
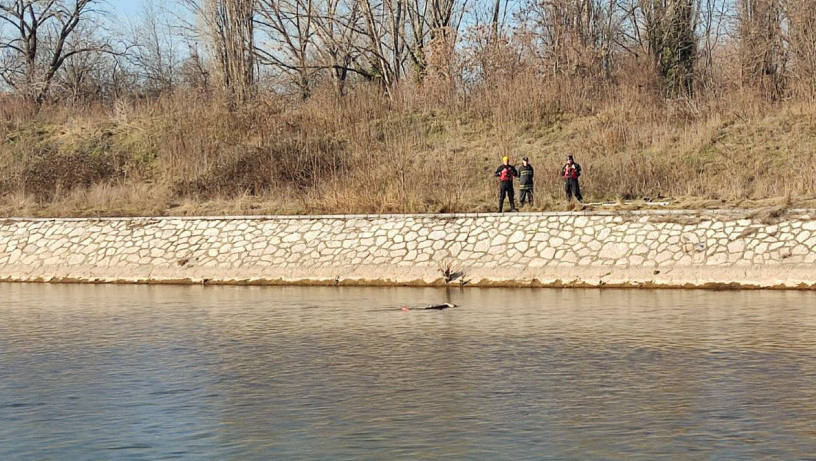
(424, 149)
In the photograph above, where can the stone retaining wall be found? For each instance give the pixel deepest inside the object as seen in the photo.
(667, 248)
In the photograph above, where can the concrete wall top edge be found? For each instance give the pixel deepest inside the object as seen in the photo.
(721, 212)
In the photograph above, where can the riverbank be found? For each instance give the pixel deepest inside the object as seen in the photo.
(188, 155)
(693, 249)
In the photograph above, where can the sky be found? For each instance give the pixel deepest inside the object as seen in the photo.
(130, 11)
(125, 7)
(133, 8)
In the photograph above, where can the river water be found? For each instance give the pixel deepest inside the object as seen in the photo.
(236, 373)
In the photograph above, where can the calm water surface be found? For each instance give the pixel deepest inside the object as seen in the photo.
(122, 372)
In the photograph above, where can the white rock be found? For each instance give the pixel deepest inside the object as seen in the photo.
(662, 257)
(614, 251)
(482, 246)
(717, 259)
(75, 259)
(437, 235)
(685, 260)
(517, 236)
(737, 246)
(290, 238)
(311, 235)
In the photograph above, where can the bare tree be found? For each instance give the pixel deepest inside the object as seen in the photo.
(88, 76)
(194, 70)
(337, 24)
(40, 41)
(309, 39)
(431, 21)
(801, 19)
(229, 26)
(289, 26)
(400, 32)
(384, 30)
(575, 35)
(666, 31)
(714, 17)
(761, 45)
(154, 54)
(494, 21)
(377, 39)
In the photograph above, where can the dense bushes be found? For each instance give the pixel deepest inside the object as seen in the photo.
(285, 164)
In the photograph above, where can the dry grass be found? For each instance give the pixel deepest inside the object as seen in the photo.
(422, 151)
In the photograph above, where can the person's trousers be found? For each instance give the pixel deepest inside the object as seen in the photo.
(506, 191)
(526, 195)
(572, 188)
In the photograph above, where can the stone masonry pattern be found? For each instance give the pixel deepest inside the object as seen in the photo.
(520, 240)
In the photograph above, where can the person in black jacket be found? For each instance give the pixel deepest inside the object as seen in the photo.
(506, 172)
(571, 172)
(526, 174)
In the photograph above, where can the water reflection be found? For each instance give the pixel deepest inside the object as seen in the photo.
(103, 372)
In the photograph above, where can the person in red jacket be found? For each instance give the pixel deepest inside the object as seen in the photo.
(506, 173)
(570, 173)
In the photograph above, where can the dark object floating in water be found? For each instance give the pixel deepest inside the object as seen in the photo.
(433, 307)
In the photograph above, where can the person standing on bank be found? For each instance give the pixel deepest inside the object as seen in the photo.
(506, 172)
(571, 172)
(526, 174)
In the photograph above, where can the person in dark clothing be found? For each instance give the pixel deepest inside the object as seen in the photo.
(571, 172)
(526, 174)
(506, 172)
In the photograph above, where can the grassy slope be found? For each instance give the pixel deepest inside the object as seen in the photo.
(188, 156)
